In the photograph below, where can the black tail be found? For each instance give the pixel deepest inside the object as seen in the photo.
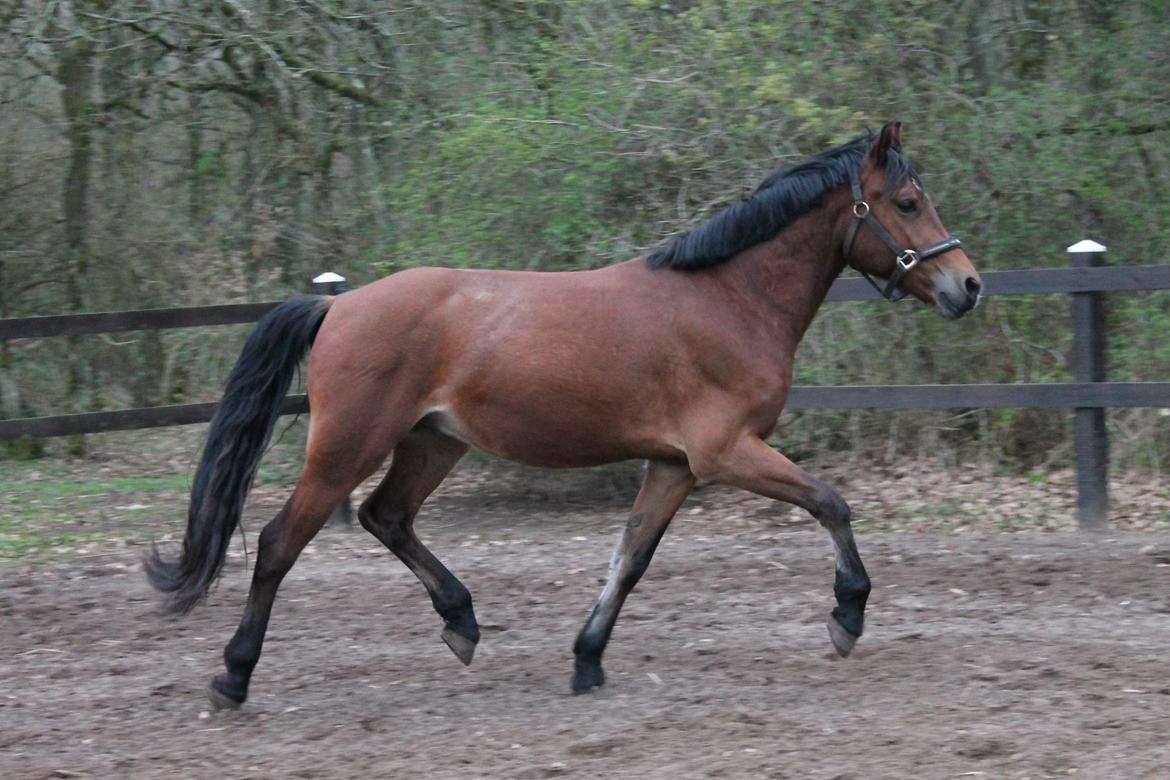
(240, 429)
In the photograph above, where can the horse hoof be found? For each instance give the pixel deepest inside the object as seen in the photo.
(461, 646)
(221, 700)
(587, 679)
(842, 640)
(582, 688)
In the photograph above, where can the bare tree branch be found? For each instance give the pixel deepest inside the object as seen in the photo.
(299, 64)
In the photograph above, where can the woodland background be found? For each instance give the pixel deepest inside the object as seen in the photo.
(164, 153)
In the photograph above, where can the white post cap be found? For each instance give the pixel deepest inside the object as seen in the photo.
(329, 276)
(1088, 245)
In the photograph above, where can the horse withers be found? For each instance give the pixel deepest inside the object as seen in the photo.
(682, 358)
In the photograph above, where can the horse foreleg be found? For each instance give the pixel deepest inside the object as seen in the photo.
(664, 488)
(752, 465)
(420, 463)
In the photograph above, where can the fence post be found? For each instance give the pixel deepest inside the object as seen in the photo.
(330, 283)
(1089, 437)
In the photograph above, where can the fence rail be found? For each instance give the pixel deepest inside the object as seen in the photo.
(1090, 395)
(140, 319)
(124, 419)
(1055, 395)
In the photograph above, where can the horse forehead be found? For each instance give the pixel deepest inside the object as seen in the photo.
(918, 185)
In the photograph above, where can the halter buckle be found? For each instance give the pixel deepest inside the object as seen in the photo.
(904, 266)
(861, 209)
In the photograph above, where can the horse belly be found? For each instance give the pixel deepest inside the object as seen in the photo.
(554, 431)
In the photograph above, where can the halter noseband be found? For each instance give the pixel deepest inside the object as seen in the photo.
(904, 260)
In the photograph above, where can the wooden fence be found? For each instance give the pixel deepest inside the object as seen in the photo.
(1090, 395)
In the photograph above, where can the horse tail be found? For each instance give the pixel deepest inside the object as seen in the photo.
(240, 429)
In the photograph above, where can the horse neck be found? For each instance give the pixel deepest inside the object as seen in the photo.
(789, 275)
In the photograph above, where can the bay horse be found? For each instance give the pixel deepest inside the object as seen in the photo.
(682, 358)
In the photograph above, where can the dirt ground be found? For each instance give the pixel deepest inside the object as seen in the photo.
(987, 654)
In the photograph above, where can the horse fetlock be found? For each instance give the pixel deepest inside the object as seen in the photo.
(240, 656)
(851, 590)
(229, 689)
(587, 650)
(453, 602)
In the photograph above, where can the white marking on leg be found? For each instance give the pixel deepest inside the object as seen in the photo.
(605, 600)
(839, 561)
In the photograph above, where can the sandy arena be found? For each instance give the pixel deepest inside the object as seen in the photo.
(986, 655)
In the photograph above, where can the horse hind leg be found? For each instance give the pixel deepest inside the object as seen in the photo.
(421, 461)
(281, 542)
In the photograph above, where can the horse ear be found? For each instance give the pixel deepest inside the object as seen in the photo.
(889, 139)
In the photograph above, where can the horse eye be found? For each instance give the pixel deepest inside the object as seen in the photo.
(907, 206)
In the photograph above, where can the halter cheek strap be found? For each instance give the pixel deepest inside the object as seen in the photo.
(904, 259)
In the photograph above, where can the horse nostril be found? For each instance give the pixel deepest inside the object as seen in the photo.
(974, 286)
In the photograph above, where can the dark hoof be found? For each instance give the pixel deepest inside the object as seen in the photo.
(222, 698)
(461, 646)
(587, 677)
(843, 641)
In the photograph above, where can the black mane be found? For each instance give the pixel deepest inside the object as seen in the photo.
(784, 196)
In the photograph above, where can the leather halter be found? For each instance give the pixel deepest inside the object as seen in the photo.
(904, 260)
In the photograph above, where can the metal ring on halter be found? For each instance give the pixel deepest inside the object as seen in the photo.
(861, 209)
(914, 258)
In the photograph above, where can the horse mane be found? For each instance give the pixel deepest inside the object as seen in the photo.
(781, 198)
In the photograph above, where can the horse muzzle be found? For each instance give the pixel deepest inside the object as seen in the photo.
(956, 293)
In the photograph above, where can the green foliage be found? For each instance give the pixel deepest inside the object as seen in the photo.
(532, 134)
(24, 448)
(497, 189)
